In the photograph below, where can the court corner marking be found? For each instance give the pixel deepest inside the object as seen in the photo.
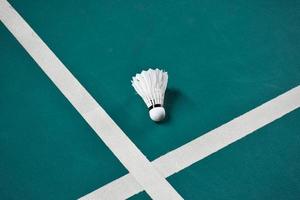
(205, 145)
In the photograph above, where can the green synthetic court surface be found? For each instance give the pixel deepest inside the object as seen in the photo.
(224, 58)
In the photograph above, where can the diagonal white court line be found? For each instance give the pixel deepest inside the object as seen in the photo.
(146, 176)
(205, 145)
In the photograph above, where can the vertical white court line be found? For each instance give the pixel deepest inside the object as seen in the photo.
(205, 145)
(129, 155)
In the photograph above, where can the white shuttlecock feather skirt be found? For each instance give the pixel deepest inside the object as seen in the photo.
(151, 86)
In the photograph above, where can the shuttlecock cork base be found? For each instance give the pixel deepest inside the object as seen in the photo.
(157, 114)
(151, 86)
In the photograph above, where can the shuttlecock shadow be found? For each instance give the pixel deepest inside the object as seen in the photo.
(172, 97)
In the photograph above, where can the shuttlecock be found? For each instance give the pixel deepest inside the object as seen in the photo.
(151, 86)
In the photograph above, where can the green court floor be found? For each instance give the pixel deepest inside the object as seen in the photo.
(224, 58)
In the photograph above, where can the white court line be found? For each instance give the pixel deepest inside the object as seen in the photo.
(146, 176)
(205, 145)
